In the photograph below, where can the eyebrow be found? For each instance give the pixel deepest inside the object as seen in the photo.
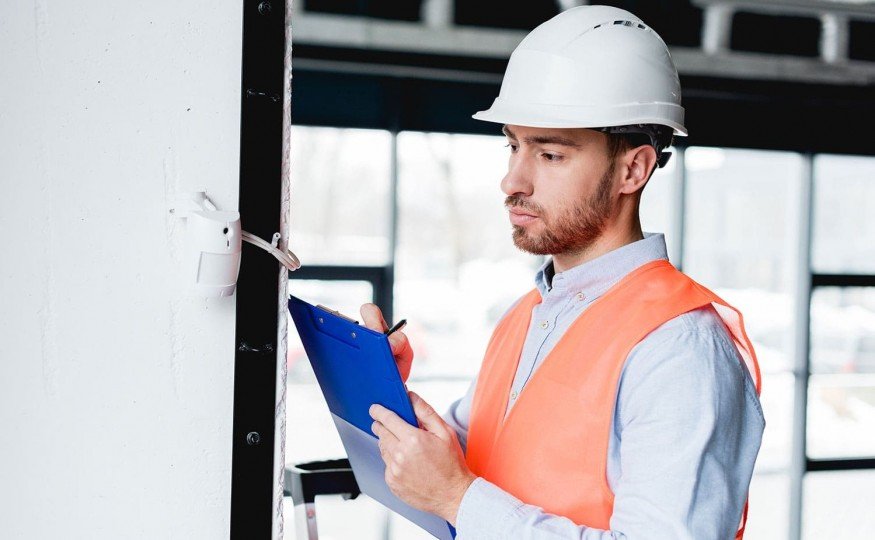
(542, 139)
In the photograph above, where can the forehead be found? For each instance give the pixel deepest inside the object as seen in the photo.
(571, 137)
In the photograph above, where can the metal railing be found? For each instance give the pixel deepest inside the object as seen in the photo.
(437, 34)
(834, 19)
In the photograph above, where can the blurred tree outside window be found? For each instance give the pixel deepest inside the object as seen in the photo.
(340, 196)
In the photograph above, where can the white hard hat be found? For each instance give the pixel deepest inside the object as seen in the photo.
(592, 67)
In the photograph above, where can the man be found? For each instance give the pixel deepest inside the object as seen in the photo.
(618, 399)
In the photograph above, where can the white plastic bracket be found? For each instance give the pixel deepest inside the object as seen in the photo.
(192, 201)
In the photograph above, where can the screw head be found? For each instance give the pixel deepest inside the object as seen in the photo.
(264, 8)
(253, 438)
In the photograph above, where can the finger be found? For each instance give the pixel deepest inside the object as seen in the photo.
(403, 353)
(399, 343)
(373, 317)
(384, 454)
(382, 433)
(428, 418)
(391, 421)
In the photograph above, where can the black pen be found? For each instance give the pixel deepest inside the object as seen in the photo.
(398, 326)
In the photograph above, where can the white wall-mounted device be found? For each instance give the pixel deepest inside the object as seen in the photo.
(214, 245)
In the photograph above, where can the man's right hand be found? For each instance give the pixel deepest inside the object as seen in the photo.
(401, 350)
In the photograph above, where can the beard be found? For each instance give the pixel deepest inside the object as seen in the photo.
(573, 229)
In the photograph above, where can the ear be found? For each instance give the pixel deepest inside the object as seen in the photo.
(638, 165)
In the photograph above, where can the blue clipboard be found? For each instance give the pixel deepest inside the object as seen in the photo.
(355, 369)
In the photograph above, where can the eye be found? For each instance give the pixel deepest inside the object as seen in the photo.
(513, 147)
(551, 157)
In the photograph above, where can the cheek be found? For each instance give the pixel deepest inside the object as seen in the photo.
(582, 181)
(559, 192)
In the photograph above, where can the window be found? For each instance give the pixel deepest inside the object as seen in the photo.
(841, 391)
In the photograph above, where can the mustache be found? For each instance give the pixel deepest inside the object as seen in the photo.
(517, 201)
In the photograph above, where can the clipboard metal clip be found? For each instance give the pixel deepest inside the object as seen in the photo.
(336, 313)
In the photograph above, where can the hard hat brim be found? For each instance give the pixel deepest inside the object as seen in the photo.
(563, 116)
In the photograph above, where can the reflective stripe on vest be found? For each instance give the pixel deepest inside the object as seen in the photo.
(551, 450)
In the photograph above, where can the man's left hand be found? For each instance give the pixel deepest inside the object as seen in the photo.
(424, 467)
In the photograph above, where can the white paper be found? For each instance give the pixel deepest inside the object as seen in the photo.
(370, 471)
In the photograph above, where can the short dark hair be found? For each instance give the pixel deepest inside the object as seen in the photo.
(618, 143)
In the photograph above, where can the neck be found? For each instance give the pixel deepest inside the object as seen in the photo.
(611, 239)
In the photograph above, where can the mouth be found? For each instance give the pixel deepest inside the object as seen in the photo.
(520, 217)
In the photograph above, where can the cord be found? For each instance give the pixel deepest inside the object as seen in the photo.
(287, 258)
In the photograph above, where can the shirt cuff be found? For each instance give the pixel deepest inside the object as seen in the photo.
(484, 511)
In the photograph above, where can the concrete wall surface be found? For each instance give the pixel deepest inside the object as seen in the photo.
(115, 387)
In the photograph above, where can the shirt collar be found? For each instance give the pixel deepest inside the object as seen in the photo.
(595, 277)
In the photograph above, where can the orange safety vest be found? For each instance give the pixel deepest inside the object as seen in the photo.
(552, 449)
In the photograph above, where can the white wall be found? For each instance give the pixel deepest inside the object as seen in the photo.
(115, 394)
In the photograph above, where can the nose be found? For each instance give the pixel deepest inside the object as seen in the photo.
(518, 177)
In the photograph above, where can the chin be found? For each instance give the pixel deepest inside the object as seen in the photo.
(526, 243)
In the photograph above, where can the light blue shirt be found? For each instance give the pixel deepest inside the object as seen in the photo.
(686, 430)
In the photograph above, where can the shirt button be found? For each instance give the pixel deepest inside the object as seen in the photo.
(545, 324)
(580, 296)
(513, 395)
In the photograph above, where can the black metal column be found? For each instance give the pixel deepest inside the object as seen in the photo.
(261, 154)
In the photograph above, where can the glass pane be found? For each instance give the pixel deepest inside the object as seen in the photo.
(777, 402)
(844, 223)
(843, 330)
(769, 513)
(841, 397)
(838, 505)
(658, 209)
(340, 195)
(310, 433)
(841, 416)
(741, 228)
(457, 270)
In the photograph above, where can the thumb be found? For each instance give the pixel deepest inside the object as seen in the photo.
(428, 418)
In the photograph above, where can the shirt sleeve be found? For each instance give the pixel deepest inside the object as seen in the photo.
(688, 427)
